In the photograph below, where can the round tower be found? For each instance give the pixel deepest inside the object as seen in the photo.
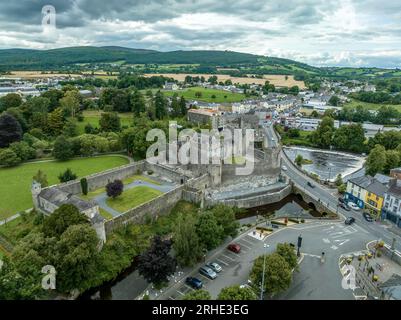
(36, 188)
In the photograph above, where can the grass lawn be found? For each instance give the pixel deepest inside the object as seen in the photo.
(93, 117)
(15, 182)
(221, 96)
(132, 198)
(302, 140)
(371, 106)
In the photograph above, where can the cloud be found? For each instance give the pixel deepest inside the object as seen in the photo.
(319, 32)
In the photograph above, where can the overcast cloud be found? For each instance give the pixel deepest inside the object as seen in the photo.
(318, 32)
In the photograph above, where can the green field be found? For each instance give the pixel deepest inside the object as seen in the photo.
(93, 118)
(371, 106)
(132, 198)
(220, 96)
(15, 183)
(302, 140)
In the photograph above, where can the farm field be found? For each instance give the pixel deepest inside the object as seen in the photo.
(93, 118)
(207, 95)
(371, 106)
(277, 80)
(132, 198)
(15, 182)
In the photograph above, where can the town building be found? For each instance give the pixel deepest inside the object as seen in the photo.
(375, 197)
(172, 86)
(392, 203)
(395, 173)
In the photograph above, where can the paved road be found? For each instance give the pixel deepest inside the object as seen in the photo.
(376, 229)
(334, 238)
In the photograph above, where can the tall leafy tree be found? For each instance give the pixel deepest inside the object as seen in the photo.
(156, 264)
(55, 122)
(186, 244)
(278, 274)
(137, 102)
(376, 160)
(65, 216)
(288, 253)
(70, 103)
(62, 149)
(226, 219)
(67, 175)
(160, 105)
(41, 178)
(110, 122)
(10, 130)
(197, 295)
(323, 135)
(209, 231)
(237, 293)
(114, 188)
(11, 100)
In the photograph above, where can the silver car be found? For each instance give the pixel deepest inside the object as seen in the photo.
(208, 272)
(215, 267)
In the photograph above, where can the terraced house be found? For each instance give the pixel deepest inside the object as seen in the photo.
(392, 202)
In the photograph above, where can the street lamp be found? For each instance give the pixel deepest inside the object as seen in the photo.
(262, 288)
(299, 245)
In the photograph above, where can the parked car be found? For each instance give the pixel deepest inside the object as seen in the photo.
(234, 247)
(208, 272)
(311, 185)
(215, 267)
(341, 200)
(349, 220)
(367, 217)
(353, 206)
(345, 206)
(194, 282)
(284, 168)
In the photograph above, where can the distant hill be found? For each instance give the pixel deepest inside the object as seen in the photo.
(13, 59)
(206, 61)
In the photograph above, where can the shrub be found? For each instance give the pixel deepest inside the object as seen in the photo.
(115, 188)
(8, 158)
(84, 186)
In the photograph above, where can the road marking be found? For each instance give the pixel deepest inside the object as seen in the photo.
(244, 245)
(327, 229)
(247, 242)
(221, 261)
(171, 298)
(179, 292)
(232, 259)
(334, 247)
(341, 241)
(311, 255)
(325, 240)
(251, 239)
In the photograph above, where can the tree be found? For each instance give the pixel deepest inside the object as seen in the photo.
(183, 106)
(209, 231)
(197, 295)
(67, 175)
(198, 94)
(10, 130)
(186, 243)
(62, 149)
(76, 257)
(84, 186)
(334, 101)
(393, 160)
(110, 122)
(277, 273)
(114, 188)
(65, 216)
(288, 253)
(55, 122)
(41, 178)
(236, 293)
(89, 129)
(350, 138)
(323, 135)
(339, 180)
(175, 105)
(226, 219)
(71, 102)
(160, 105)
(23, 150)
(155, 265)
(11, 100)
(212, 80)
(376, 160)
(137, 103)
(70, 128)
(8, 158)
(299, 160)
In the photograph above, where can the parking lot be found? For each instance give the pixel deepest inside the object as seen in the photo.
(228, 261)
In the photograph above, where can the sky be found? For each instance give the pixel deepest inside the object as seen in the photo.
(357, 33)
